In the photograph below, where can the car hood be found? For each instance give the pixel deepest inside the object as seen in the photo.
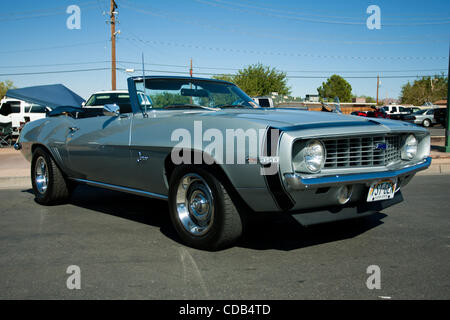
(287, 118)
(53, 95)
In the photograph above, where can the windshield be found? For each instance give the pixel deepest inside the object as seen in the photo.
(191, 93)
(420, 112)
(101, 99)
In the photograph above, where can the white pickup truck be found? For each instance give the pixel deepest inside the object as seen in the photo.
(395, 109)
(18, 112)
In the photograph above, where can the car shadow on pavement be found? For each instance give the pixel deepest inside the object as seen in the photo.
(140, 209)
(279, 232)
(285, 233)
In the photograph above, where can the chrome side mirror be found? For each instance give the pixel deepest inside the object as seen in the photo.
(111, 110)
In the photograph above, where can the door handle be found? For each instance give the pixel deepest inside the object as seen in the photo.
(73, 129)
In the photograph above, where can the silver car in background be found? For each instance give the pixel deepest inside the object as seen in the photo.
(216, 156)
(424, 117)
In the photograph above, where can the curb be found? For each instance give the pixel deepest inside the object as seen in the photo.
(15, 182)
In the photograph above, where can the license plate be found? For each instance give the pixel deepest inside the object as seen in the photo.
(382, 190)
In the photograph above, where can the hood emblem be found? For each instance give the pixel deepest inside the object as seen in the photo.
(380, 146)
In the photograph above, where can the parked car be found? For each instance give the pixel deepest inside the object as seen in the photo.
(423, 117)
(411, 109)
(102, 98)
(314, 166)
(359, 113)
(17, 112)
(395, 112)
(378, 113)
(428, 105)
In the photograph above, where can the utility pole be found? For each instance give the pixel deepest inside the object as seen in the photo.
(378, 85)
(447, 126)
(113, 43)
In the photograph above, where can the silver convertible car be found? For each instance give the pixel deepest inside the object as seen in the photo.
(216, 156)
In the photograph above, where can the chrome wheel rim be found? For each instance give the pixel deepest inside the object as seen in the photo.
(41, 175)
(194, 204)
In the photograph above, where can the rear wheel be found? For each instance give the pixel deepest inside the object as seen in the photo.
(426, 123)
(49, 184)
(201, 209)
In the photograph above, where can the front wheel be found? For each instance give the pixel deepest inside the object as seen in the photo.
(49, 184)
(201, 210)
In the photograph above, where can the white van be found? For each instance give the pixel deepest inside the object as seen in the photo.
(18, 112)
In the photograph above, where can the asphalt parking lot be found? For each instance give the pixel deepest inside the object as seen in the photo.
(437, 131)
(126, 249)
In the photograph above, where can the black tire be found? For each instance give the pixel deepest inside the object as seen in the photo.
(427, 123)
(226, 224)
(58, 189)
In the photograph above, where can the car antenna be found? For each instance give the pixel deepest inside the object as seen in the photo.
(145, 88)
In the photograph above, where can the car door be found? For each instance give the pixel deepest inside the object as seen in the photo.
(148, 150)
(98, 148)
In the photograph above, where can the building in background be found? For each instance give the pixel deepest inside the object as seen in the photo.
(359, 100)
(312, 98)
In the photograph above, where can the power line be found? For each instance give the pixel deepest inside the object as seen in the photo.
(291, 71)
(248, 51)
(40, 14)
(193, 21)
(122, 62)
(292, 11)
(52, 64)
(198, 73)
(49, 72)
(52, 47)
(223, 4)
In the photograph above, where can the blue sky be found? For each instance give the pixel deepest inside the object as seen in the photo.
(305, 38)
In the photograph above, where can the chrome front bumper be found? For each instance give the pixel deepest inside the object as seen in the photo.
(295, 181)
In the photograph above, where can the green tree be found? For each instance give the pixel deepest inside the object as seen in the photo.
(4, 86)
(259, 80)
(425, 89)
(336, 86)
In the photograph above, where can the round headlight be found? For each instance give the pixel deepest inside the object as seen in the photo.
(314, 156)
(410, 148)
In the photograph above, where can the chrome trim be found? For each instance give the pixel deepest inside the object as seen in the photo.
(41, 175)
(298, 182)
(195, 204)
(120, 188)
(112, 110)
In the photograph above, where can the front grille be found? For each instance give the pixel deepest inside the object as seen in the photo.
(362, 151)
